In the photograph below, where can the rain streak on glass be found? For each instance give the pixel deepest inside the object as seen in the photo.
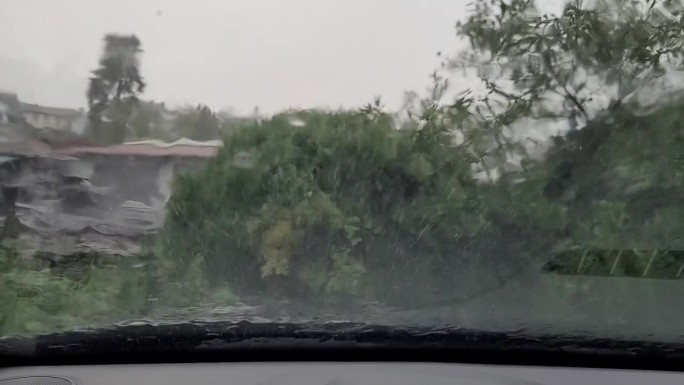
(498, 166)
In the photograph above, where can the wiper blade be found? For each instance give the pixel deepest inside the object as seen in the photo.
(247, 341)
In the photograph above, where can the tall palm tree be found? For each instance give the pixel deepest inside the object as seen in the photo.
(114, 88)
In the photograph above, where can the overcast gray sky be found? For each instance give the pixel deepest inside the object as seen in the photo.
(231, 53)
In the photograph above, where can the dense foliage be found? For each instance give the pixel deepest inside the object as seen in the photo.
(90, 290)
(345, 203)
(199, 123)
(317, 202)
(35, 298)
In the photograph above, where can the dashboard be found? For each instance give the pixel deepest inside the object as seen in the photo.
(321, 373)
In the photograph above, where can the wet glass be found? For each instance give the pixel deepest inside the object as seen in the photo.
(494, 166)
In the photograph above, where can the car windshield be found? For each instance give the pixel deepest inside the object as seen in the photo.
(493, 165)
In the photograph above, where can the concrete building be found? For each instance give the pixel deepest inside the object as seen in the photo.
(55, 118)
(10, 109)
(14, 111)
(142, 171)
(103, 201)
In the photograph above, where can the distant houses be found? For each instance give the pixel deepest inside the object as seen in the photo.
(70, 196)
(99, 200)
(37, 140)
(149, 120)
(14, 111)
(56, 118)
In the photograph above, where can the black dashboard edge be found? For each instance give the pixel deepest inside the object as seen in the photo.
(248, 342)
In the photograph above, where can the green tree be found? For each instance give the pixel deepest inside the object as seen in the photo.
(532, 63)
(199, 123)
(618, 177)
(578, 65)
(114, 87)
(142, 123)
(148, 121)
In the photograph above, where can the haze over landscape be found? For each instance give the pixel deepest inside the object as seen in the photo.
(535, 184)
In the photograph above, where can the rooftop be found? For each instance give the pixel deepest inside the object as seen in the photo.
(38, 109)
(181, 148)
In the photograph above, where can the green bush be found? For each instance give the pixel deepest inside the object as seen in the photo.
(91, 291)
(37, 299)
(340, 204)
(346, 204)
